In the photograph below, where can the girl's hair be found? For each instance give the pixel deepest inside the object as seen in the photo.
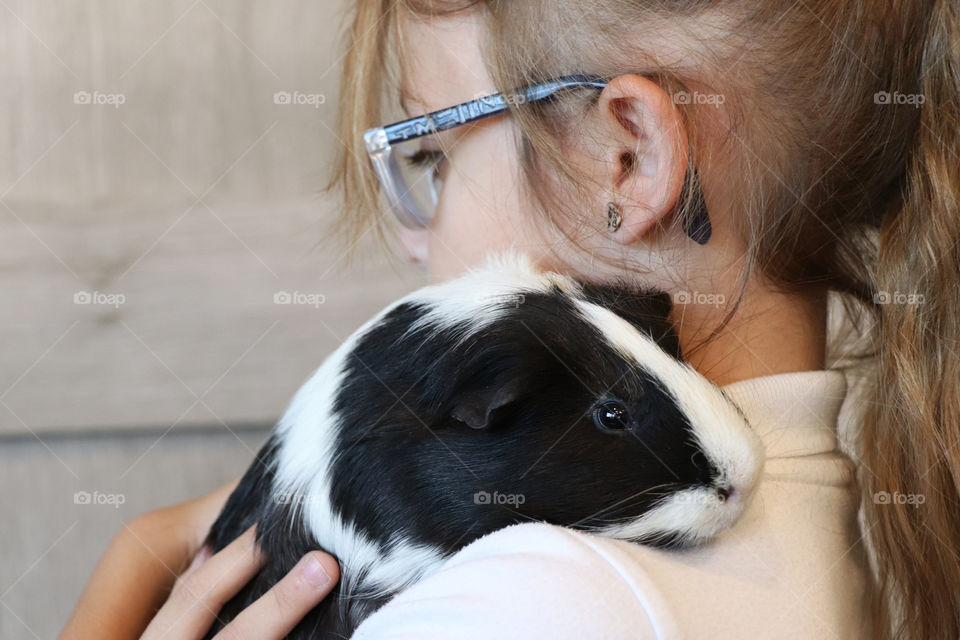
(844, 150)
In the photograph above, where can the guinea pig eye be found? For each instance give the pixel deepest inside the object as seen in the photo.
(611, 415)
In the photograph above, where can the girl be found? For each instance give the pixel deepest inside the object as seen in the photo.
(749, 157)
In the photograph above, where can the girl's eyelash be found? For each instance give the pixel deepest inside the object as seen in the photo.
(425, 158)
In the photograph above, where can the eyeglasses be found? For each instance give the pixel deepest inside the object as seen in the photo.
(412, 182)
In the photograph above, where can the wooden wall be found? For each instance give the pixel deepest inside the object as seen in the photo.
(143, 155)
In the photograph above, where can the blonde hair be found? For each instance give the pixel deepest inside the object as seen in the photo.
(844, 121)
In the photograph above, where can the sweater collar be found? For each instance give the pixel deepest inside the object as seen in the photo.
(794, 414)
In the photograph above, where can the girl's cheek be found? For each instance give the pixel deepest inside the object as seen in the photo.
(479, 210)
(459, 242)
(469, 228)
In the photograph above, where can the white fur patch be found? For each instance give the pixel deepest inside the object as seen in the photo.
(482, 295)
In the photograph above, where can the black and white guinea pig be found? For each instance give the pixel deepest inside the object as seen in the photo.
(506, 395)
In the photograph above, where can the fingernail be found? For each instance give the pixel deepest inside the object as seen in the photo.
(313, 572)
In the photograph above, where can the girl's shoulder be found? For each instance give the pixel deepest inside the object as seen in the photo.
(531, 580)
(792, 566)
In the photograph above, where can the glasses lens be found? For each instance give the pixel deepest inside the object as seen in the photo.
(418, 178)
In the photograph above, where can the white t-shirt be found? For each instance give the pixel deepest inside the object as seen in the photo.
(792, 567)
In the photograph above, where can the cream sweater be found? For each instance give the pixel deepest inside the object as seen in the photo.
(792, 567)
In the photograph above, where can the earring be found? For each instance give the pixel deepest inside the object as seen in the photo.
(614, 217)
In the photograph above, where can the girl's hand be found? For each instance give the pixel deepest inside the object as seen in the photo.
(139, 568)
(198, 596)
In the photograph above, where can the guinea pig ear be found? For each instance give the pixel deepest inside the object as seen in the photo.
(476, 408)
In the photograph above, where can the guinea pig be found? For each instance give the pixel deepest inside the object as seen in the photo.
(503, 396)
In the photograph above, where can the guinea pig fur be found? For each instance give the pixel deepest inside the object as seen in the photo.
(503, 396)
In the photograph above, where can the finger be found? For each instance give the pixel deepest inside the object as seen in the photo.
(197, 598)
(279, 610)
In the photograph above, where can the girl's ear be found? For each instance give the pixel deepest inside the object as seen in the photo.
(645, 153)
